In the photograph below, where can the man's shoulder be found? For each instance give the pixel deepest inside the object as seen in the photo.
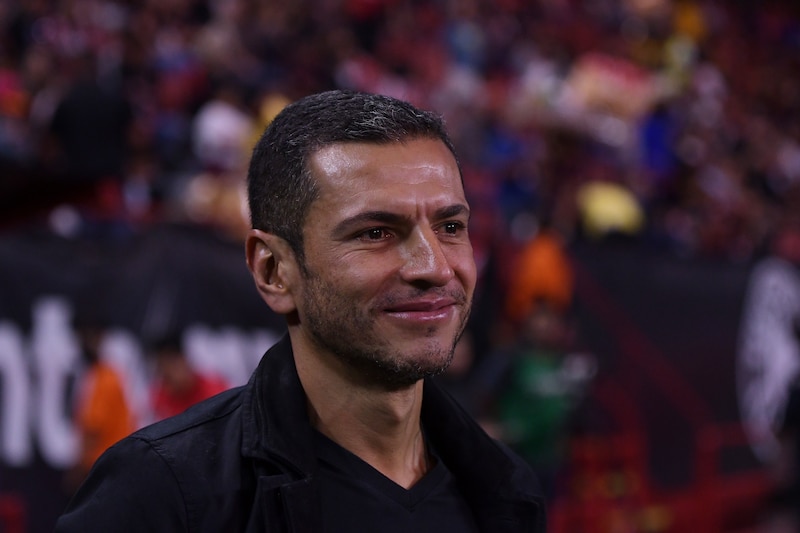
(186, 471)
(209, 415)
(195, 448)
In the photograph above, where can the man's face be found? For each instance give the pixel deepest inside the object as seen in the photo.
(389, 272)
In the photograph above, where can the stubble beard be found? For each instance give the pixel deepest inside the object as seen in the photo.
(348, 333)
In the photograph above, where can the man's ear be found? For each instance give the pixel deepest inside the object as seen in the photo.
(273, 265)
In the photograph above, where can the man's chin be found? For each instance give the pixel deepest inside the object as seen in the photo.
(405, 369)
(405, 377)
(423, 365)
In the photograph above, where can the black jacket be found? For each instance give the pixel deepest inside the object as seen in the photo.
(244, 461)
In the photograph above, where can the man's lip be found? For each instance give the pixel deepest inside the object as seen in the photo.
(417, 306)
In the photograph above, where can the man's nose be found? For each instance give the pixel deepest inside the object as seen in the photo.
(425, 259)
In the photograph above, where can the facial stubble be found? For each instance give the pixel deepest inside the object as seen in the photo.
(348, 333)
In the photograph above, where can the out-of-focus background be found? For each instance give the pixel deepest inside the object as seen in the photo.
(633, 168)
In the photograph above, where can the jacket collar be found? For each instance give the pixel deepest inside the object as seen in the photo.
(501, 489)
(461, 441)
(276, 424)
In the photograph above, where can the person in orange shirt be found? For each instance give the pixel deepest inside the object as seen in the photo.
(543, 272)
(102, 414)
(178, 384)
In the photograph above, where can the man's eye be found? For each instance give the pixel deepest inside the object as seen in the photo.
(374, 234)
(452, 228)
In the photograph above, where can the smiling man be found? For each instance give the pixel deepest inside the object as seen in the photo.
(360, 241)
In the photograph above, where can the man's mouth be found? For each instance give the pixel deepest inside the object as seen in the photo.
(424, 310)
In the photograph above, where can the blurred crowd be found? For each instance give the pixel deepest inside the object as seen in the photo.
(672, 122)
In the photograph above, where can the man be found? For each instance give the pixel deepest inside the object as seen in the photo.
(360, 240)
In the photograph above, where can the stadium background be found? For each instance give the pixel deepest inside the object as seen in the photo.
(686, 112)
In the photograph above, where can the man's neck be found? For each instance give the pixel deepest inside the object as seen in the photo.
(382, 427)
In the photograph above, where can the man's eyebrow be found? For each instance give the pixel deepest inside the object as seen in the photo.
(368, 217)
(387, 217)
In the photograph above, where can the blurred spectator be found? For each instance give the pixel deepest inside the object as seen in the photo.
(608, 210)
(542, 273)
(102, 414)
(222, 131)
(533, 388)
(769, 349)
(268, 105)
(91, 126)
(768, 364)
(178, 385)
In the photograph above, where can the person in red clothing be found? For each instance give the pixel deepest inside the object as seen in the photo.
(178, 384)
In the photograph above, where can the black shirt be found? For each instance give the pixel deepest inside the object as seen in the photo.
(358, 498)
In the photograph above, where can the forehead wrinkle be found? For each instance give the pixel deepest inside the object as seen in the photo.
(450, 211)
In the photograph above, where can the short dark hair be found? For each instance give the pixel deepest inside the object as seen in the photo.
(280, 187)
